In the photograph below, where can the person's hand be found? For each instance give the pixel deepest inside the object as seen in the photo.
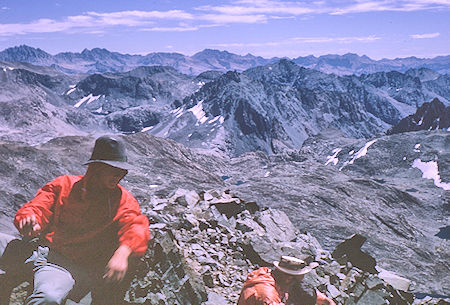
(118, 265)
(322, 299)
(328, 301)
(29, 226)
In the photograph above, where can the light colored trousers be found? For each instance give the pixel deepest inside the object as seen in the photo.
(52, 283)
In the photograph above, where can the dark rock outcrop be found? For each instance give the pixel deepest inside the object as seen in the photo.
(429, 116)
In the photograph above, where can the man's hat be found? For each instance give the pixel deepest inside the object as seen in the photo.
(294, 266)
(110, 151)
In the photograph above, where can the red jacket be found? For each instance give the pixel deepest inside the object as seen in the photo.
(260, 289)
(87, 230)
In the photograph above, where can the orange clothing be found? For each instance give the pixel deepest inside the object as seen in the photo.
(260, 289)
(87, 229)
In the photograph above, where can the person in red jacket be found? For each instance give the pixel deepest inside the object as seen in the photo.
(271, 287)
(89, 229)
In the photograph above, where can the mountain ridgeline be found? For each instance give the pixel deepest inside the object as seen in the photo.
(270, 108)
(100, 60)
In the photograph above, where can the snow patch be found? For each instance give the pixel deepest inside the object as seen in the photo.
(361, 153)
(214, 119)
(94, 98)
(178, 112)
(99, 110)
(201, 84)
(222, 119)
(266, 174)
(416, 148)
(72, 89)
(420, 122)
(146, 128)
(333, 158)
(199, 113)
(351, 152)
(154, 99)
(430, 171)
(88, 99)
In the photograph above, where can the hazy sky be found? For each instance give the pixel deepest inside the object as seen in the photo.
(378, 29)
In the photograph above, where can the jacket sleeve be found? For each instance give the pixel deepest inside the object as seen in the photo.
(133, 225)
(41, 205)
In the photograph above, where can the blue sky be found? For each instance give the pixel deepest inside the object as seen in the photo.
(378, 29)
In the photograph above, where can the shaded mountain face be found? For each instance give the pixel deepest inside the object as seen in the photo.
(429, 116)
(101, 61)
(380, 194)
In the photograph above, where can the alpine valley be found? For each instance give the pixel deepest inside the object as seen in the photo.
(341, 144)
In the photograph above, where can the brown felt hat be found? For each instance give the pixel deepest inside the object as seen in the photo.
(294, 266)
(111, 151)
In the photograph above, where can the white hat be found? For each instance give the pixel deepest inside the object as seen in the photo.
(294, 266)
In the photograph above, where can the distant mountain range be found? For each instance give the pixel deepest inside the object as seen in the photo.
(101, 60)
(269, 108)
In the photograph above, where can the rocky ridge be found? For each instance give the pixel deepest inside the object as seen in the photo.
(269, 108)
(276, 107)
(429, 116)
(204, 245)
(222, 238)
(380, 194)
(99, 60)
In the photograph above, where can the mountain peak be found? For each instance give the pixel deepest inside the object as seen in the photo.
(24, 53)
(429, 116)
(97, 51)
(208, 53)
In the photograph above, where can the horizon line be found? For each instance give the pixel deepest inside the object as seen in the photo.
(224, 50)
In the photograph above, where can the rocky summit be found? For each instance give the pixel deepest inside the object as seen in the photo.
(214, 219)
(204, 244)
